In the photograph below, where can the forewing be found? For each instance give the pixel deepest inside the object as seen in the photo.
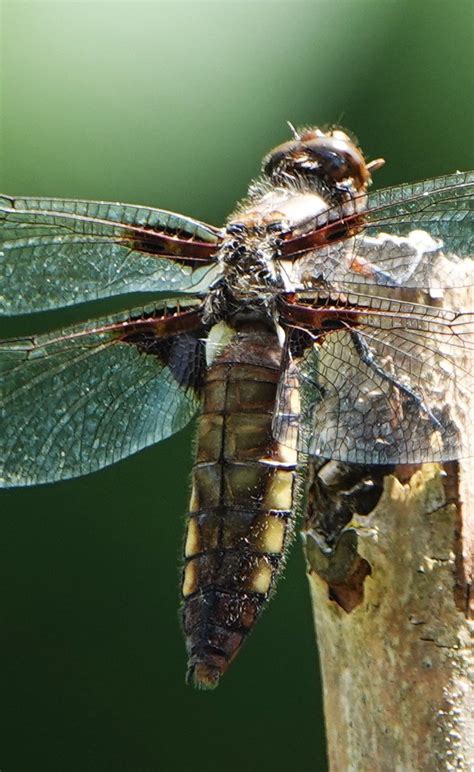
(389, 390)
(80, 399)
(58, 252)
(416, 236)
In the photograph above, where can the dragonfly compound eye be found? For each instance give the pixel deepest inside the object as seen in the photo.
(331, 156)
(336, 159)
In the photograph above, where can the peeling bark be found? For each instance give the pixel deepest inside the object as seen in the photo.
(390, 591)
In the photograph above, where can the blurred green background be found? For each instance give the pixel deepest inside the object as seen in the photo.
(174, 105)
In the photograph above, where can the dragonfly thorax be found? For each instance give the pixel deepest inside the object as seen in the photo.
(250, 277)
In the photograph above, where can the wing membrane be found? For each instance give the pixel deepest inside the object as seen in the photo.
(393, 389)
(81, 399)
(413, 236)
(58, 252)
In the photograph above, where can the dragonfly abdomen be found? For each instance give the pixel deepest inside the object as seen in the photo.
(240, 517)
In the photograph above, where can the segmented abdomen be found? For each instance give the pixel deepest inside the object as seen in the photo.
(240, 517)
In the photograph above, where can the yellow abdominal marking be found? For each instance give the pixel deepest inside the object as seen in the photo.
(274, 535)
(287, 455)
(193, 539)
(260, 578)
(268, 534)
(194, 503)
(279, 492)
(191, 578)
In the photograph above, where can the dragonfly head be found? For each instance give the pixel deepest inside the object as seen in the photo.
(331, 157)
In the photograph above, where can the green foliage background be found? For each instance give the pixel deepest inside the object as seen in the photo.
(174, 104)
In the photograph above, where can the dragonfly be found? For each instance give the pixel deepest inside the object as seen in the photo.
(320, 322)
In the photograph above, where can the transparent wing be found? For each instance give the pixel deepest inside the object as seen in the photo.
(58, 252)
(393, 387)
(412, 236)
(80, 399)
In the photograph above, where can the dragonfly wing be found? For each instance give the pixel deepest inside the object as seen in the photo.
(384, 392)
(417, 236)
(78, 400)
(58, 252)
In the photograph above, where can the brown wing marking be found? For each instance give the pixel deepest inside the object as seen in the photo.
(334, 315)
(338, 230)
(165, 245)
(176, 339)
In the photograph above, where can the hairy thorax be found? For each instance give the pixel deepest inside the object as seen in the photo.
(252, 270)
